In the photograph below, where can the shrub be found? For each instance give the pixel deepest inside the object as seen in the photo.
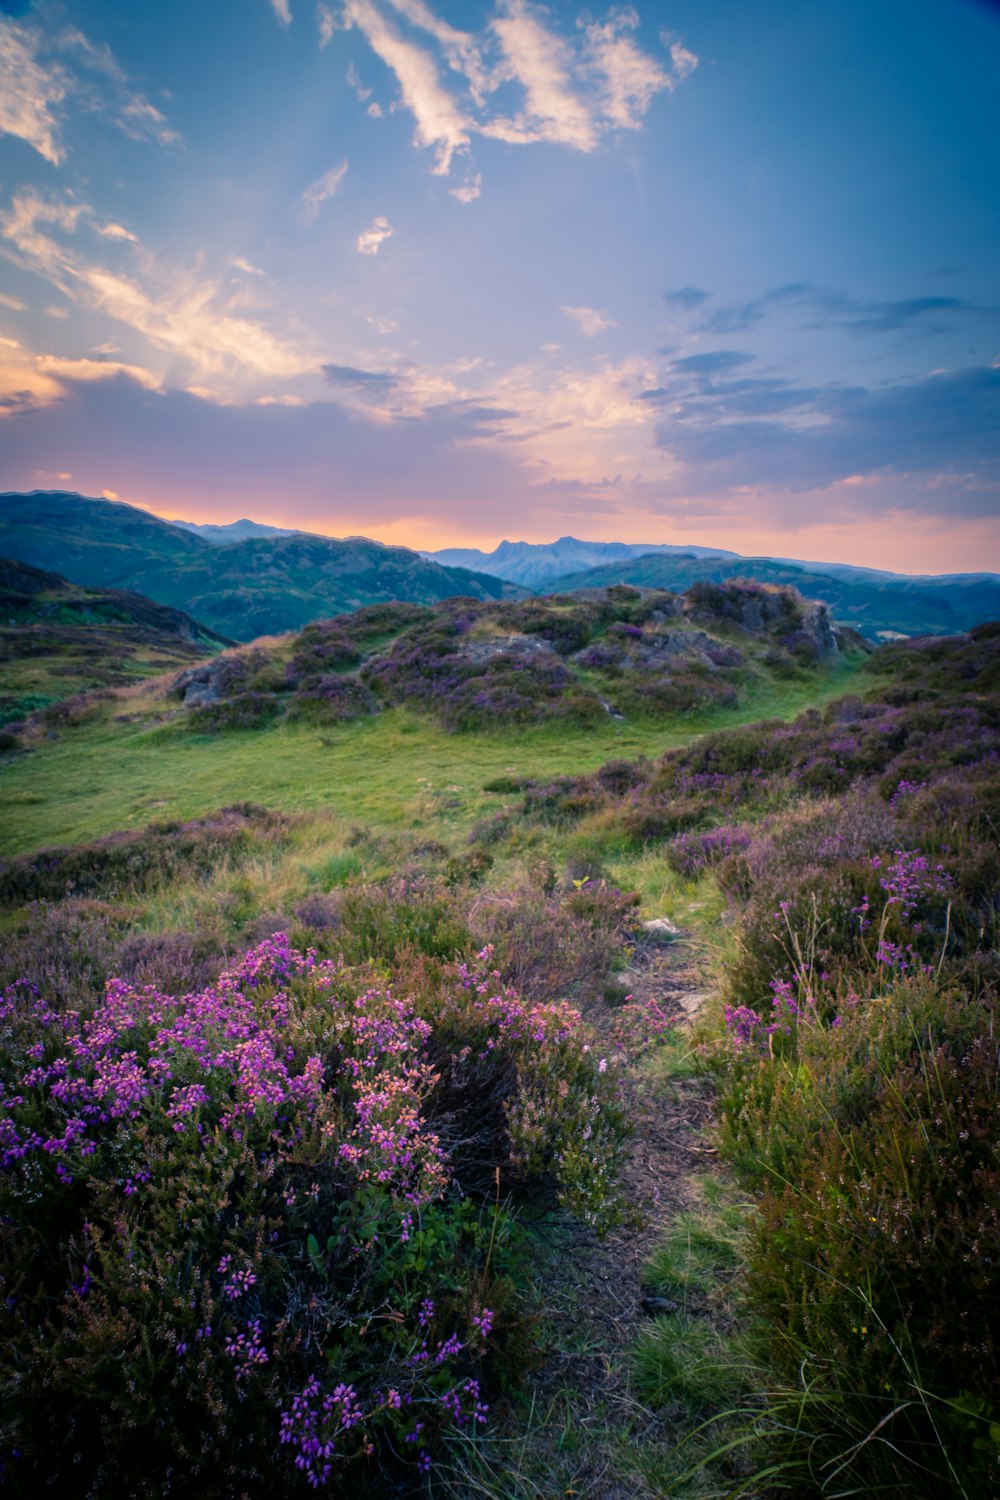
(234, 1248)
(130, 862)
(329, 699)
(881, 1260)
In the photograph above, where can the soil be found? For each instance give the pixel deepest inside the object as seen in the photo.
(595, 1301)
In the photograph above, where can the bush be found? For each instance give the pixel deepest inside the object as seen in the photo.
(877, 1261)
(129, 862)
(234, 1246)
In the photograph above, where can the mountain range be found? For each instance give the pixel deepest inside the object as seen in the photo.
(245, 579)
(262, 585)
(538, 565)
(233, 531)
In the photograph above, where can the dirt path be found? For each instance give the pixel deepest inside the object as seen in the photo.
(586, 1420)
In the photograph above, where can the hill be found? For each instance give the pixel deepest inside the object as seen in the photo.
(625, 654)
(461, 1040)
(245, 589)
(879, 606)
(57, 639)
(538, 565)
(232, 531)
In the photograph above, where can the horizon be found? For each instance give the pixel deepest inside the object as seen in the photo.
(488, 551)
(702, 276)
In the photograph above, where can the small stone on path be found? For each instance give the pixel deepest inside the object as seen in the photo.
(661, 930)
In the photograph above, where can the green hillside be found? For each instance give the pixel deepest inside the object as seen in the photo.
(58, 639)
(544, 956)
(877, 607)
(261, 586)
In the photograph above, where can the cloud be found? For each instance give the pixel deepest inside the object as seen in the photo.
(38, 86)
(238, 263)
(541, 63)
(469, 190)
(252, 453)
(378, 381)
(383, 326)
(177, 310)
(283, 10)
(14, 303)
(110, 92)
(686, 296)
(117, 232)
(589, 321)
(94, 369)
(30, 94)
(684, 61)
(327, 23)
(370, 240)
(714, 363)
(769, 431)
(461, 51)
(317, 193)
(827, 307)
(574, 87)
(440, 124)
(629, 79)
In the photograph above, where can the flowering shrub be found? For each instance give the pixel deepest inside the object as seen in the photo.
(858, 1073)
(234, 1242)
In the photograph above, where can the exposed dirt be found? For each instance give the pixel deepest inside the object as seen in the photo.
(595, 1301)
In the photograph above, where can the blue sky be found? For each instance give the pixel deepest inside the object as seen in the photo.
(446, 272)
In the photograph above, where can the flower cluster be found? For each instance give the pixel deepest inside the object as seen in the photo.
(264, 1168)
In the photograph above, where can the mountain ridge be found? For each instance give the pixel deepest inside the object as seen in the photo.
(243, 589)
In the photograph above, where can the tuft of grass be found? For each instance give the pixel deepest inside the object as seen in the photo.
(700, 1248)
(683, 1361)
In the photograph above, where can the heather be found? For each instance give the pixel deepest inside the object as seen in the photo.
(448, 916)
(247, 1235)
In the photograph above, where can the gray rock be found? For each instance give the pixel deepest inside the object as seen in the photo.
(661, 930)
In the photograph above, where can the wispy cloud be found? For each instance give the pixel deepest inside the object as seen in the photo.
(283, 10)
(462, 52)
(117, 232)
(378, 382)
(317, 193)
(440, 123)
(45, 73)
(541, 63)
(370, 240)
(177, 309)
(327, 24)
(14, 303)
(30, 95)
(589, 321)
(817, 307)
(239, 263)
(730, 425)
(574, 88)
(628, 78)
(93, 369)
(469, 190)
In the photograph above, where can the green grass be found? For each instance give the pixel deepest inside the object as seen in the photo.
(396, 771)
(684, 1361)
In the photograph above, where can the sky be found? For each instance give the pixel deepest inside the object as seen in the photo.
(441, 272)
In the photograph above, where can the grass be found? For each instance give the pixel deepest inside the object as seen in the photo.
(396, 771)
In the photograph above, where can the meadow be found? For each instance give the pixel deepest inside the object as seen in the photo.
(348, 1101)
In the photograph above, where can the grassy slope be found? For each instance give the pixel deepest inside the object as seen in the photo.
(57, 639)
(910, 607)
(106, 775)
